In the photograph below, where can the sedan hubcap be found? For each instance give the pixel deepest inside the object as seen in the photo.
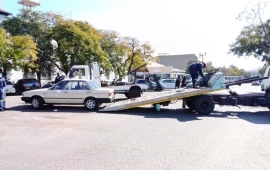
(90, 104)
(35, 103)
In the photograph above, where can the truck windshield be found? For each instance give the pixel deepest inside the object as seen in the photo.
(93, 83)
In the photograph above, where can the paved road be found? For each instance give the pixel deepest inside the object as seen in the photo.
(71, 138)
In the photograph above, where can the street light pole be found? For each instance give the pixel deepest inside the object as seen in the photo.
(202, 55)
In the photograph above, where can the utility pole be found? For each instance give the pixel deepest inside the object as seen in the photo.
(202, 55)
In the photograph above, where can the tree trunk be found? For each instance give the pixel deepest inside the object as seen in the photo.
(39, 77)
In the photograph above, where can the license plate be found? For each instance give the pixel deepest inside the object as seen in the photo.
(27, 88)
(6, 90)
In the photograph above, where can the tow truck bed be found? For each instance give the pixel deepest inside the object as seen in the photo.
(202, 99)
(160, 98)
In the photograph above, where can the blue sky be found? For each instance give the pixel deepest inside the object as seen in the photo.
(171, 26)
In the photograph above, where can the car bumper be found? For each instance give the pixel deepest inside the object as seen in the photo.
(106, 100)
(26, 99)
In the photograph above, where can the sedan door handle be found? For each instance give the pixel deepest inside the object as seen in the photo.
(65, 91)
(88, 91)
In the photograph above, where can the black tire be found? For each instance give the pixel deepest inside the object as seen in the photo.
(267, 93)
(126, 94)
(204, 105)
(91, 104)
(19, 92)
(134, 93)
(37, 102)
(159, 89)
(190, 104)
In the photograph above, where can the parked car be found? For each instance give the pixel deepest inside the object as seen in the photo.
(255, 83)
(75, 91)
(169, 83)
(48, 85)
(10, 88)
(105, 83)
(23, 85)
(153, 84)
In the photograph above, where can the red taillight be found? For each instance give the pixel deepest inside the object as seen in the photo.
(111, 94)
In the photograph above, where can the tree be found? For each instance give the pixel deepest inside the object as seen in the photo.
(115, 48)
(17, 51)
(262, 70)
(254, 39)
(78, 43)
(37, 25)
(137, 54)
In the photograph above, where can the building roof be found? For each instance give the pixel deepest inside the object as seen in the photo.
(178, 70)
(177, 61)
(155, 65)
(2, 12)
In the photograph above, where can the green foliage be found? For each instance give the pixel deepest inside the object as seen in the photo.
(137, 54)
(78, 43)
(125, 53)
(254, 39)
(115, 49)
(17, 51)
(37, 25)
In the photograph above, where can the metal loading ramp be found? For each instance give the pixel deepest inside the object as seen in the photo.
(155, 99)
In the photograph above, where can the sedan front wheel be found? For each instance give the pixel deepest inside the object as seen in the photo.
(37, 102)
(91, 104)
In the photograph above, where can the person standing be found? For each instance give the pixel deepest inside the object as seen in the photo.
(183, 83)
(195, 69)
(2, 90)
(177, 82)
(57, 78)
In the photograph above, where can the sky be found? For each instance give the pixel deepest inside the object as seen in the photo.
(171, 26)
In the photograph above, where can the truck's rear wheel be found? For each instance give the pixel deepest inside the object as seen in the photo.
(204, 105)
(134, 93)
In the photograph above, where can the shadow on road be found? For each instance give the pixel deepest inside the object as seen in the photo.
(182, 115)
(50, 109)
(186, 115)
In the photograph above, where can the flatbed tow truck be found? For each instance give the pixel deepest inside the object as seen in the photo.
(199, 99)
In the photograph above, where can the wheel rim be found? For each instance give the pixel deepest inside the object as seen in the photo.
(90, 104)
(204, 105)
(35, 103)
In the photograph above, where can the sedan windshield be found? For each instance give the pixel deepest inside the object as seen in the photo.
(94, 84)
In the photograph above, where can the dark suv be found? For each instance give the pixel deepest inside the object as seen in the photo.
(26, 84)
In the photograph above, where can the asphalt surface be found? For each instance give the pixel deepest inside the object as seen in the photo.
(68, 137)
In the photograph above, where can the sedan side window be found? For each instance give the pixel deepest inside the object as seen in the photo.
(85, 86)
(79, 85)
(63, 85)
